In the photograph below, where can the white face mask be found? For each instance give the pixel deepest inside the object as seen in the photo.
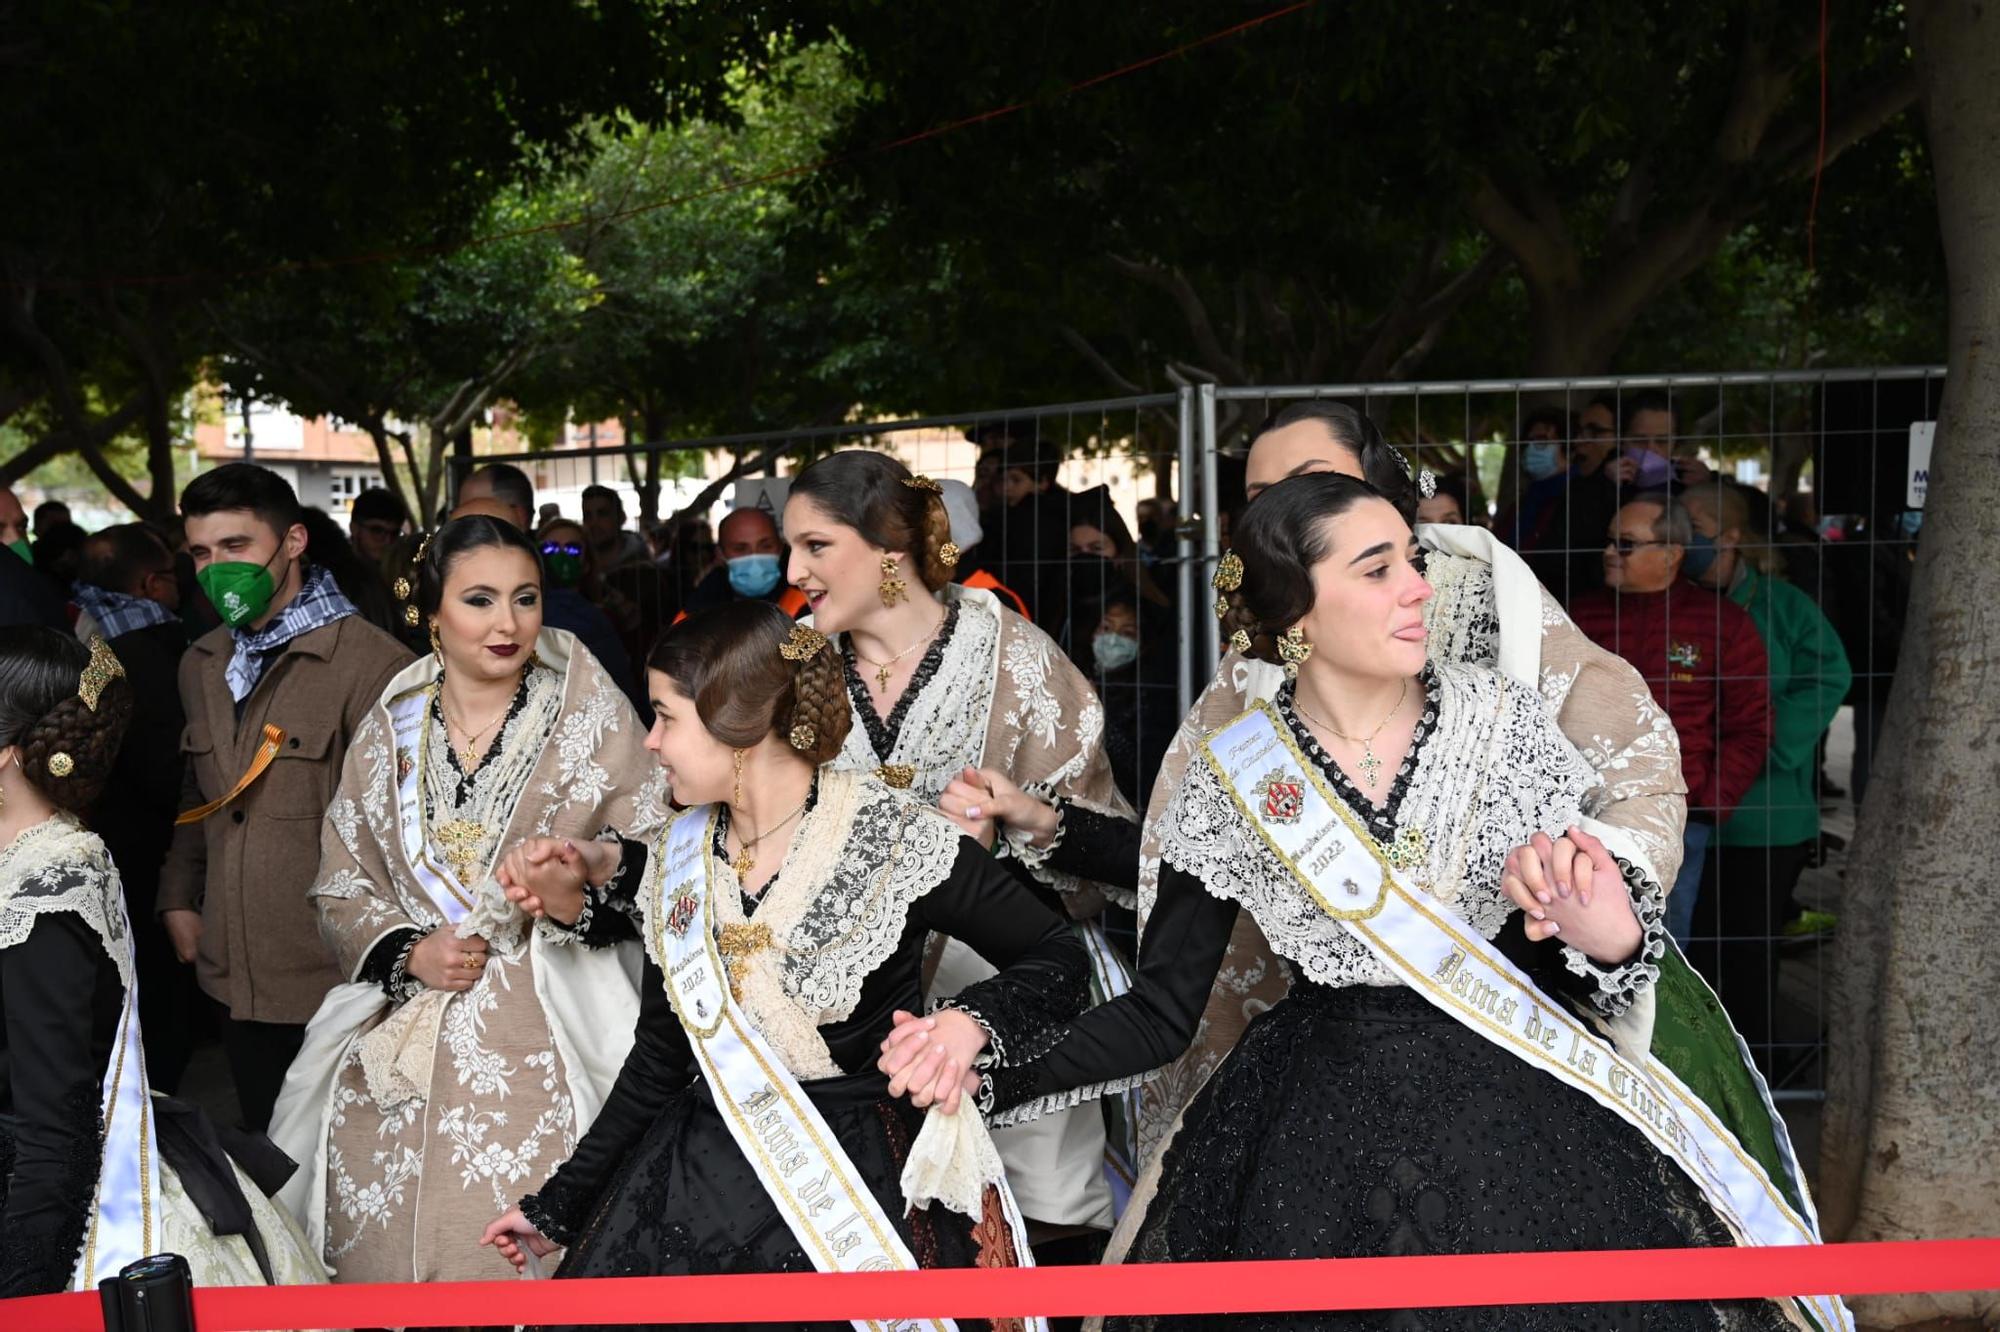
(1114, 652)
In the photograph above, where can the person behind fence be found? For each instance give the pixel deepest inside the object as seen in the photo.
(271, 696)
(1450, 501)
(786, 913)
(968, 533)
(943, 680)
(504, 484)
(469, 1046)
(1489, 611)
(753, 565)
(1031, 545)
(1104, 560)
(1774, 833)
(1559, 539)
(1701, 656)
(374, 521)
(1467, 1062)
(569, 581)
(95, 1172)
(25, 596)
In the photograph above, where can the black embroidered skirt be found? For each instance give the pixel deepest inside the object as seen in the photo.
(687, 1203)
(1363, 1122)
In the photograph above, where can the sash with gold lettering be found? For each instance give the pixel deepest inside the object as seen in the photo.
(808, 1176)
(124, 1224)
(407, 715)
(1434, 952)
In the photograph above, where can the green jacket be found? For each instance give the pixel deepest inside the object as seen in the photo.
(1809, 678)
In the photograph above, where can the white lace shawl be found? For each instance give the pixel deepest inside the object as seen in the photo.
(838, 907)
(59, 865)
(1493, 771)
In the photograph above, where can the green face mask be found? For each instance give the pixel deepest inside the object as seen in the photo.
(21, 548)
(239, 591)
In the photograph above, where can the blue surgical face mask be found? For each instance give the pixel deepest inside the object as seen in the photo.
(753, 575)
(1114, 652)
(1541, 457)
(1700, 556)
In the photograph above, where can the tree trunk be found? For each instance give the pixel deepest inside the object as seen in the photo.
(1912, 1128)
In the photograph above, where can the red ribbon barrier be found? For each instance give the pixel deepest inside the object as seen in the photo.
(1298, 1285)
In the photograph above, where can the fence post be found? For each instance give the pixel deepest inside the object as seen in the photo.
(1184, 546)
(1211, 527)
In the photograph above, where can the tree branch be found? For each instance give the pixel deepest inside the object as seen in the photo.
(1193, 310)
(1082, 346)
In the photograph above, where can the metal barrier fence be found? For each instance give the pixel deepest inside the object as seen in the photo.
(1549, 463)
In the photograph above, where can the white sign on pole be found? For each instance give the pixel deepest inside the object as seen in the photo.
(766, 493)
(1921, 433)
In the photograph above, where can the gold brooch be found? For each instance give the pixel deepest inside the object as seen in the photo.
(102, 669)
(923, 483)
(402, 589)
(1240, 642)
(1409, 850)
(804, 736)
(948, 554)
(1228, 572)
(898, 775)
(61, 764)
(410, 616)
(803, 644)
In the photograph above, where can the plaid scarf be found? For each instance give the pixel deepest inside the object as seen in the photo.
(117, 613)
(319, 603)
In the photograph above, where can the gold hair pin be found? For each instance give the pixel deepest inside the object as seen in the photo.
(102, 669)
(948, 554)
(1228, 572)
(803, 645)
(923, 483)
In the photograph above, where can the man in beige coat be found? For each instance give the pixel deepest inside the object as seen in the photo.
(291, 654)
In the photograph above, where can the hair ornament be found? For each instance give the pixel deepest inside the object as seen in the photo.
(1427, 482)
(101, 670)
(1228, 572)
(61, 764)
(923, 483)
(803, 645)
(1239, 642)
(803, 736)
(948, 554)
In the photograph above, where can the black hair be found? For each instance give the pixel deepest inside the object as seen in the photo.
(44, 717)
(510, 485)
(1381, 465)
(605, 493)
(1093, 508)
(248, 488)
(117, 558)
(475, 531)
(1280, 537)
(46, 512)
(1646, 400)
(1548, 416)
(869, 492)
(376, 504)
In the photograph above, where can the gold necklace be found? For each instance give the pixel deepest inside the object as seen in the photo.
(468, 756)
(1369, 765)
(882, 667)
(745, 861)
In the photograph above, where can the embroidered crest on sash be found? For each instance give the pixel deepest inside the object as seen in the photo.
(681, 915)
(1283, 795)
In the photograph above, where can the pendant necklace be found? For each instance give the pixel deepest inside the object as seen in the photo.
(746, 860)
(1369, 765)
(882, 667)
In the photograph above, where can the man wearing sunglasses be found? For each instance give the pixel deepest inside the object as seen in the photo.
(1700, 655)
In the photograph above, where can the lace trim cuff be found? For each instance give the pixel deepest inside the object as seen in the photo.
(1006, 1086)
(388, 965)
(1020, 843)
(1616, 987)
(576, 932)
(543, 1220)
(1018, 1024)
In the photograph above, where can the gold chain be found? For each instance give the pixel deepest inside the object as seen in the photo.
(882, 667)
(1369, 765)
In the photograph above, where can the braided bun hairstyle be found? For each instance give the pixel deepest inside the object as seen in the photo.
(728, 661)
(1282, 535)
(871, 493)
(42, 716)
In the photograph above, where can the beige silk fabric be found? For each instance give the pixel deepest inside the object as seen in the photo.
(1601, 704)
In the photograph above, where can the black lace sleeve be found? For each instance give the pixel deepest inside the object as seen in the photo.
(661, 1064)
(610, 913)
(55, 1079)
(1099, 847)
(1568, 973)
(1044, 977)
(388, 965)
(1115, 1045)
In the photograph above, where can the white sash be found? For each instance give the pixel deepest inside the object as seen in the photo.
(1431, 950)
(407, 718)
(124, 1223)
(809, 1178)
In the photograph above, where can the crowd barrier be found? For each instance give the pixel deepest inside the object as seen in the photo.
(1296, 1285)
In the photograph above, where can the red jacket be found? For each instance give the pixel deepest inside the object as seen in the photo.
(1704, 661)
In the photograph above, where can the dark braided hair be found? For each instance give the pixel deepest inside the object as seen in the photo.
(42, 715)
(1281, 536)
(727, 661)
(870, 492)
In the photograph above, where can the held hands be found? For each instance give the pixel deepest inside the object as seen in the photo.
(981, 800)
(516, 1237)
(443, 961)
(545, 876)
(1571, 886)
(930, 1059)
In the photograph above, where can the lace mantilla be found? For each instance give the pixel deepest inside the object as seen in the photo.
(943, 719)
(1618, 986)
(1463, 622)
(883, 731)
(59, 865)
(1492, 772)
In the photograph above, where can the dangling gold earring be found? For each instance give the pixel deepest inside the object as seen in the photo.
(1293, 651)
(893, 588)
(437, 648)
(738, 801)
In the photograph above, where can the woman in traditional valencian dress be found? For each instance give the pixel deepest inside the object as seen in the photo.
(472, 1045)
(1490, 1045)
(945, 680)
(96, 1174)
(786, 913)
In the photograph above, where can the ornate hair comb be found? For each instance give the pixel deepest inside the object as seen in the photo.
(803, 645)
(923, 483)
(102, 669)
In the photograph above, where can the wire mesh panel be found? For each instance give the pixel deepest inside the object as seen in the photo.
(1745, 541)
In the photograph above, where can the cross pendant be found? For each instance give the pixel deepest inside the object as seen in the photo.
(882, 678)
(1369, 765)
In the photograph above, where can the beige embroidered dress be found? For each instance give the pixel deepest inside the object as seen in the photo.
(421, 1114)
(1488, 610)
(993, 690)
